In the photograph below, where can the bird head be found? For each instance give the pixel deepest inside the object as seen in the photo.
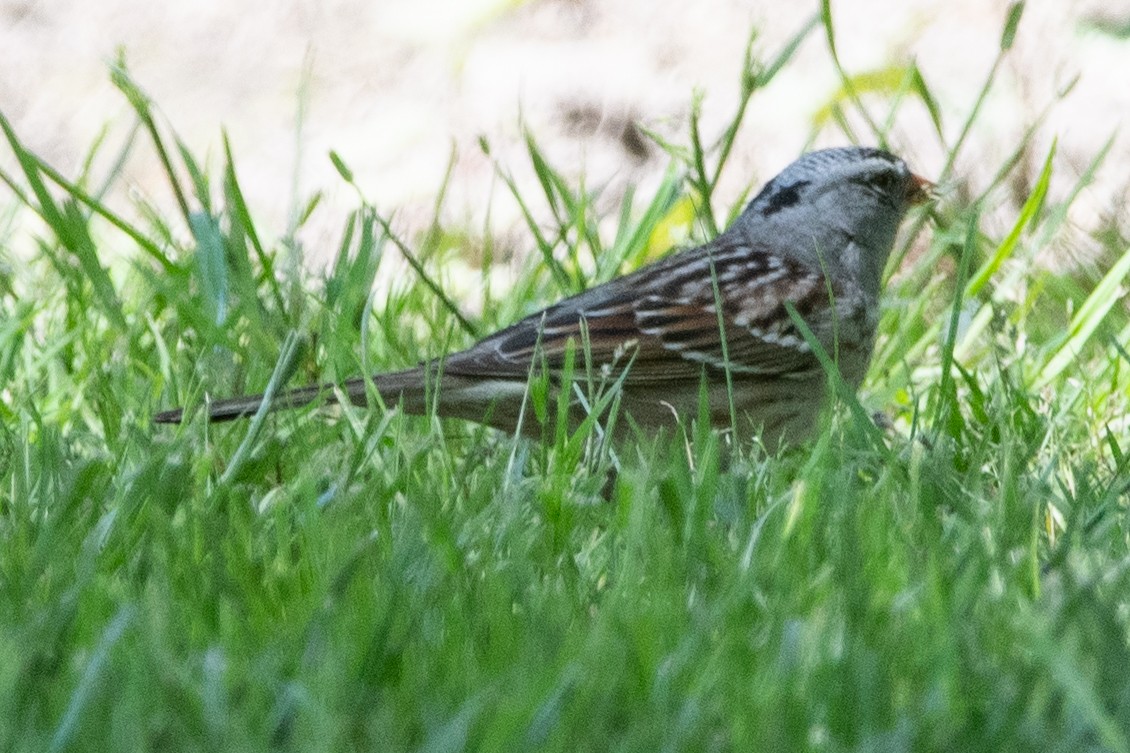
(836, 207)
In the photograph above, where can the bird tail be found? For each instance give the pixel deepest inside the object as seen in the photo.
(407, 387)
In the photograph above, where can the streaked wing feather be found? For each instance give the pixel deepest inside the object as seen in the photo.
(612, 338)
(761, 339)
(664, 319)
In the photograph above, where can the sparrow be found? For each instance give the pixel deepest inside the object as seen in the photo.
(710, 320)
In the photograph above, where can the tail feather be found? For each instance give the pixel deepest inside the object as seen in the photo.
(499, 402)
(401, 386)
(246, 405)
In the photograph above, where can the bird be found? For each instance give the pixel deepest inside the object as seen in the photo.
(710, 322)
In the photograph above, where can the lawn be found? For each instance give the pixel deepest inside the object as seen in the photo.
(956, 580)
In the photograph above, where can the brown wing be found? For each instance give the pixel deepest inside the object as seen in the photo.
(664, 320)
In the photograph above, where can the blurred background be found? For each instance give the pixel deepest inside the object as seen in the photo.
(400, 89)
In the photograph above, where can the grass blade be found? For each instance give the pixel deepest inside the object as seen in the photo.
(211, 266)
(431, 284)
(1006, 247)
(284, 367)
(1091, 314)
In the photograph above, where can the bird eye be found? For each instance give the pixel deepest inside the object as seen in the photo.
(888, 183)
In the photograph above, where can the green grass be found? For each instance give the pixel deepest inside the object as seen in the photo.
(371, 581)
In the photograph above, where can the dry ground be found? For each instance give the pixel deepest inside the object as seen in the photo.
(395, 85)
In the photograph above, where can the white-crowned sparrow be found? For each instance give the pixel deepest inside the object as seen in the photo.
(818, 235)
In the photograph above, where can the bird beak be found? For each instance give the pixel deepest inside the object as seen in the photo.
(919, 190)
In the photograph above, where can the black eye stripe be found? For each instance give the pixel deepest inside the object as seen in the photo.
(887, 184)
(785, 196)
